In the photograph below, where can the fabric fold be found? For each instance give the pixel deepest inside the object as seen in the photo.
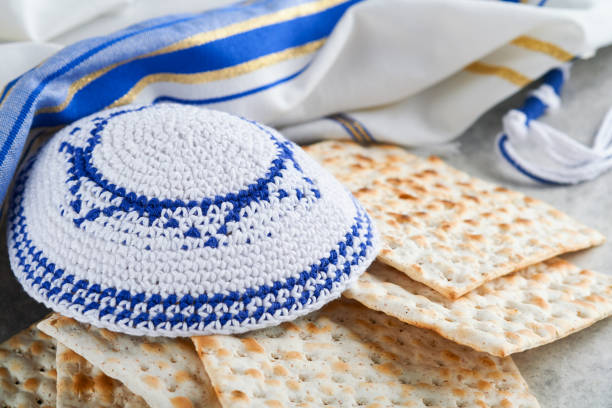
(411, 73)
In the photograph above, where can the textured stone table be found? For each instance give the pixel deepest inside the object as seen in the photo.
(572, 372)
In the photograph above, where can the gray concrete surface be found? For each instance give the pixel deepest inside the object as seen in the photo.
(572, 372)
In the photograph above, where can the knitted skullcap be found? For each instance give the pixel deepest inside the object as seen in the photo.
(174, 220)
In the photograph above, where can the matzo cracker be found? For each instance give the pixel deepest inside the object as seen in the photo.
(82, 385)
(444, 228)
(348, 356)
(165, 372)
(27, 370)
(516, 312)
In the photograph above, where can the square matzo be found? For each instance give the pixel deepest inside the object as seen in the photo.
(516, 312)
(82, 385)
(165, 372)
(27, 370)
(444, 228)
(349, 356)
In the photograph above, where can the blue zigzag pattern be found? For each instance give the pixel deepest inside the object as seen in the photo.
(83, 170)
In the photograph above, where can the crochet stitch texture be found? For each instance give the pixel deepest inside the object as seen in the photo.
(175, 220)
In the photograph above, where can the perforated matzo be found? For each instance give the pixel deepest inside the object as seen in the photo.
(444, 228)
(349, 356)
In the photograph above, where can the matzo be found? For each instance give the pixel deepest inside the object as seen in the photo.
(82, 385)
(349, 356)
(444, 228)
(27, 370)
(526, 309)
(165, 372)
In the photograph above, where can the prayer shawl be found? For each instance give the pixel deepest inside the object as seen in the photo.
(409, 72)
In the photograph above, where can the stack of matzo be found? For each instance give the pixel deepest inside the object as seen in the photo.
(444, 228)
(344, 355)
(471, 264)
(348, 356)
(465, 258)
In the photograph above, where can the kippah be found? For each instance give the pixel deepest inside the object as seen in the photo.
(175, 220)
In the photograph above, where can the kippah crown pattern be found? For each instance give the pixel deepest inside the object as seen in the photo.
(174, 220)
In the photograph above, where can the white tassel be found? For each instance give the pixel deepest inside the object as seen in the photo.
(548, 155)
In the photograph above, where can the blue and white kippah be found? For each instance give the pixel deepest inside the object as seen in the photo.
(175, 220)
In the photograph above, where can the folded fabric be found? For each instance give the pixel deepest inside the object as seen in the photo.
(41, 19)
(408, 72)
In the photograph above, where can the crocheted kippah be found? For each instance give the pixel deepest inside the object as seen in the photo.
(175, 220)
